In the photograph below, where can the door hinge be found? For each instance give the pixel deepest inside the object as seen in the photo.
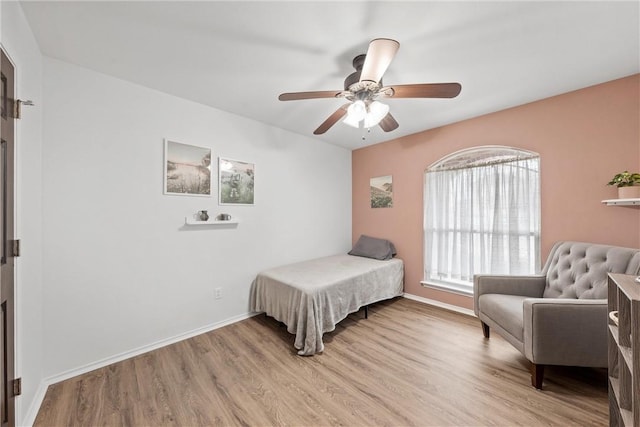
(15, 248)
(17, 387)
(18, 107)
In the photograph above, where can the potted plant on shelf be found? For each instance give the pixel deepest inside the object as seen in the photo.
(628, 185)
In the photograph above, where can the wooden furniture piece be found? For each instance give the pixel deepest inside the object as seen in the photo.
(624, 350)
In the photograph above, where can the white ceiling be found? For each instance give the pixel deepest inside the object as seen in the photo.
(239, 56)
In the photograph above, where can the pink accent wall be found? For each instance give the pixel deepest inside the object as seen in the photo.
(583, 138)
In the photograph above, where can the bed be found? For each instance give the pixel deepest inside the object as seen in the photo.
(312, 297)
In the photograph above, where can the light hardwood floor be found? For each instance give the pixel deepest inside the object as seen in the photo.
(408, 364)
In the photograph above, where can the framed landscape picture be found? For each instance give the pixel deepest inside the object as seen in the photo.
(187, 169)
(381, 188)
(236, 182)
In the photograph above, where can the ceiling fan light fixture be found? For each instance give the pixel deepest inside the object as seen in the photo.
(351, 121)
(377, 112)
(355, 114)
(357, 111)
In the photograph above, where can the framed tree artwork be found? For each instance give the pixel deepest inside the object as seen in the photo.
(236, 182)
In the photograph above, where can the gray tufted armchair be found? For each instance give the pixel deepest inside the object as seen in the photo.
(558, 317)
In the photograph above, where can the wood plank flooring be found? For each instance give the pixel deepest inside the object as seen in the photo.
(408, 364)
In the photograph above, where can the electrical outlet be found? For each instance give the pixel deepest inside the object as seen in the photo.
(218, 293)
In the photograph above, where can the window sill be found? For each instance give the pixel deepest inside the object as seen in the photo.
(447, 287)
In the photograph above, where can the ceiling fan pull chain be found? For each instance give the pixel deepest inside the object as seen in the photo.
(364, 138)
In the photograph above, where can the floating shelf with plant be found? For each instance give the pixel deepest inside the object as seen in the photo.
(628, 184)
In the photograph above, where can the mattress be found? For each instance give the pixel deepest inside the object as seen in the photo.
(312, 297)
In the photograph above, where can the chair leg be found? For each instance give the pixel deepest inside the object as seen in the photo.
(485, 329)
(537, 374)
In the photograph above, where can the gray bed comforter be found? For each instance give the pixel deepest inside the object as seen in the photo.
(311, 297)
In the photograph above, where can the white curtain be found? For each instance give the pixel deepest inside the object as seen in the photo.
(482, 219)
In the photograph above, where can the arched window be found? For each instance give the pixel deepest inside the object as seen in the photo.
(481, 215)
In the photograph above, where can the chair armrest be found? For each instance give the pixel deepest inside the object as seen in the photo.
(528, 286)
(570, 332)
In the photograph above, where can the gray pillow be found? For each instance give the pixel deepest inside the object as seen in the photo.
(371, 247)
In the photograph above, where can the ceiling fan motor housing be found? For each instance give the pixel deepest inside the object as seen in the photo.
(362, 91)
(352, 78)
(358, 63)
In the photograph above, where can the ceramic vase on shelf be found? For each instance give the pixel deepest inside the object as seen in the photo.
(632, 192)
(204, 215)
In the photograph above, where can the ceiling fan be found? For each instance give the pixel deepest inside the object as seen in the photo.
(364, 87)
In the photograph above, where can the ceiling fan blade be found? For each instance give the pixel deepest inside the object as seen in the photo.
(427, 90)
(379, 56)
(388, 123)
(294, 96)
(332, 120)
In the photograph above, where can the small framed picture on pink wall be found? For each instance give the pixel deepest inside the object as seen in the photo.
(381, 189)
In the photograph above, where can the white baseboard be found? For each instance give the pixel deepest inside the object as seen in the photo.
(144, 349)
(42, 388)
(440, 304)
(31, 414)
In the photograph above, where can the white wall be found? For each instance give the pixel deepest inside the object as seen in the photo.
(107, 266)
(122, 271)
(20, 44)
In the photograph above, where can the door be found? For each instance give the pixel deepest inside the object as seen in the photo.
(7, 350)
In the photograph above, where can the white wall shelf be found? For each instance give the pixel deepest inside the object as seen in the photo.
(622, 202)
(211, 221)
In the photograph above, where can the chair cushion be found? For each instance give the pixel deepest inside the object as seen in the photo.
(579, 270)
(505, 310)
